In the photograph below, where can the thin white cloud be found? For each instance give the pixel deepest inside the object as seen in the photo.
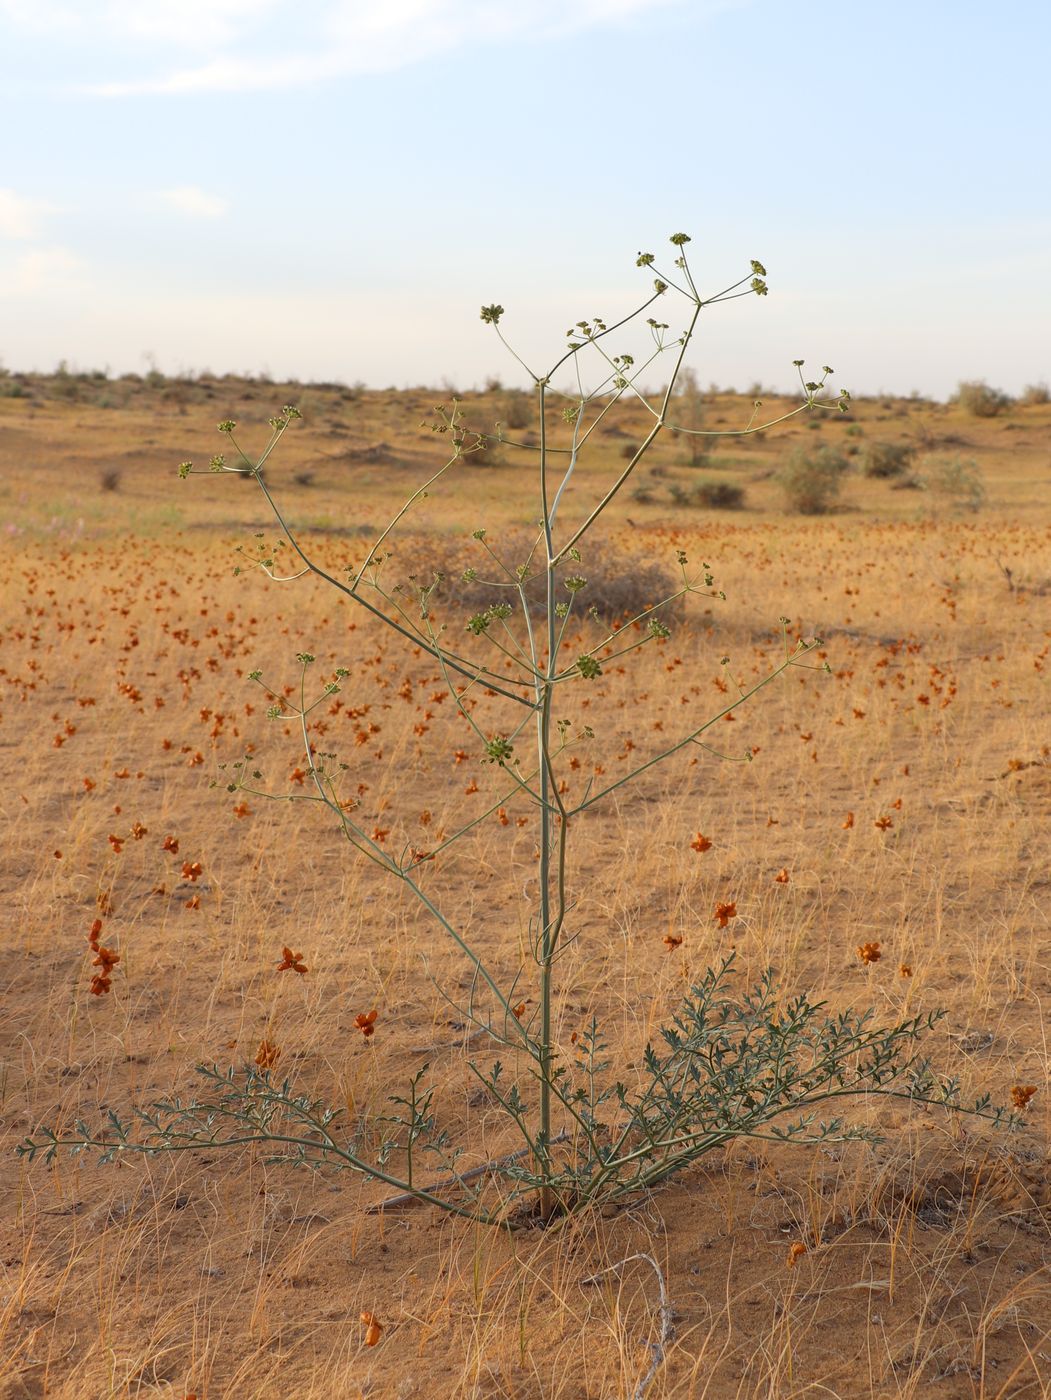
(193, 202)
(259, 45)
(39, 270)
(20, 217)
(191, 24)
(196, 24)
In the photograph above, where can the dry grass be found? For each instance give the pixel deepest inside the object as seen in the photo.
(124, 640)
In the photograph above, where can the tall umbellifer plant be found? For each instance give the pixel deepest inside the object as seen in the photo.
(730, 1063)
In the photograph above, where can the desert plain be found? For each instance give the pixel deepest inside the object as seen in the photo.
(902, 801)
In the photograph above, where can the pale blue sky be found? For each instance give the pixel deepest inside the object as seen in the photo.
(324, 189)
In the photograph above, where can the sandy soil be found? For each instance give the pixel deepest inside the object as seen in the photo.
(907, 795)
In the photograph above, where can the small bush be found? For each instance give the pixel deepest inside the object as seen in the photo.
(378, 453)
(812, 481)
(620, 584)
(956, 481)
(1034, 394)
(689, 410)
(483, 452)
(110, 479)
(65, 385)
(980, 400)
(717, 495)
(884, 459)
(515, 409)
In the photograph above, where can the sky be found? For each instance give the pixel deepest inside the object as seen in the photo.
(331, 189)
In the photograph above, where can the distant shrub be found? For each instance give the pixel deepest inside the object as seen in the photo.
(1034, 394)
(980, 400)
(65, 385)
(689, 409)
(376, 453)
(179, 393)
(812, 481)
(719, 495)
(620, 584)
(883, 459)
(713, 495)
(515, 409)
(110, 479)
(855, 430)
(956, 481)
(483, 451)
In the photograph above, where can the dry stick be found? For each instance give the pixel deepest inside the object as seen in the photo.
(659, 1347)
(408, 1198)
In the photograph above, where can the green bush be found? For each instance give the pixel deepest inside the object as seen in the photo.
(955, 481)
(884, 459)
(812, 481)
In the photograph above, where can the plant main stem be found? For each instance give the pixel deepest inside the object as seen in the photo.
(544, 687)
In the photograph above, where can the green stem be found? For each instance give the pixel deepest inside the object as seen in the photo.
(249, 1139)
(544, 694)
